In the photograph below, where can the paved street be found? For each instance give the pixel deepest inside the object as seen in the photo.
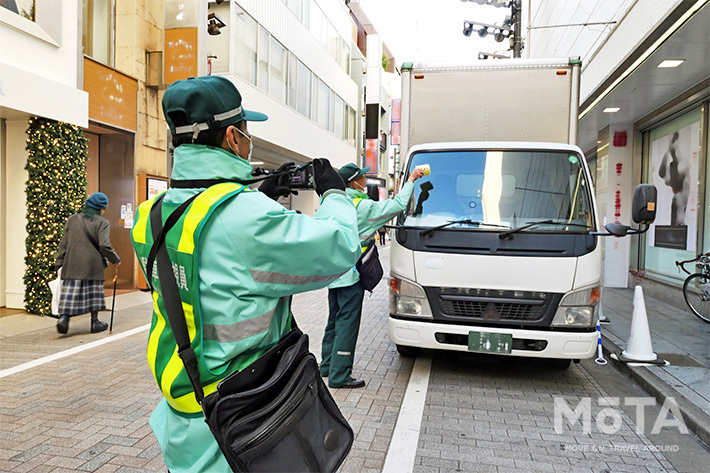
(89, 409)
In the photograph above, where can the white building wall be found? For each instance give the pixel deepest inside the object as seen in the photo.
(286, 128)
(40, 74)
(602, 48)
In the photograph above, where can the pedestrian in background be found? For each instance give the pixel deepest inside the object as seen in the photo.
(345, 294)
(82, 256)
(382, 232)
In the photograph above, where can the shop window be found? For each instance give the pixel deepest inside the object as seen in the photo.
(245, 49)
(316, 23)
(262, 73)
(296, 7)
(303, 102)
(323, 110)
(339, 118)
(674, 167)
(278, 65)
(292, 80)
(97, 30)
(351, 126)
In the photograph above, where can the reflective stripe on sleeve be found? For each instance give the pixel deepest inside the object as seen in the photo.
(292, 279)
(389, 216)
(240, 330)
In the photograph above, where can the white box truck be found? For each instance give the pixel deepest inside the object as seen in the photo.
(499, 249)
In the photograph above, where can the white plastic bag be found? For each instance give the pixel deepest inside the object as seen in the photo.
(56, 287)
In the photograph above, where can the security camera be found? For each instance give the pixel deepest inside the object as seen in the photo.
(499, 37)
(483, 32)
(467, 29)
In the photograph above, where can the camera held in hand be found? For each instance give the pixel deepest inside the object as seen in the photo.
(300, 177)
(295, 177)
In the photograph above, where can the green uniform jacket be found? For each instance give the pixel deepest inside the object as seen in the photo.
(371, 216)
(253, 254)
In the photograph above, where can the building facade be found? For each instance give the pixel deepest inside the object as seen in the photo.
(84, 63)
(40, 75)
(643, 119)
(294, 61)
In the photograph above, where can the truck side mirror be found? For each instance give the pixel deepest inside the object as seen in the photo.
(643, 207)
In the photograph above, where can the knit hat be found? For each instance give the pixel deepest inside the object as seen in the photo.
(98, 201)
(208, 103)
(350, 172)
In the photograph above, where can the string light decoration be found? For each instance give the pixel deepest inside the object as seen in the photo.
(56, 189)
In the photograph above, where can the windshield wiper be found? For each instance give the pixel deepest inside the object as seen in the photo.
(454, 222)
(508, 233)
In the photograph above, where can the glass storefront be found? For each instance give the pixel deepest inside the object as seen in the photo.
(677, 166)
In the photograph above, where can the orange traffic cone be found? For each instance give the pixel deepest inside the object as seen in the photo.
(639, 348)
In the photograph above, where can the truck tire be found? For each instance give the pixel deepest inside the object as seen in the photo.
(407, 351)
(559, 363)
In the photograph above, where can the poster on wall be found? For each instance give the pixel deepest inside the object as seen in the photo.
(156, 186)
(674, 161)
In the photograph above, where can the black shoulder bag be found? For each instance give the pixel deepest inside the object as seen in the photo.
(275, 415)
(369, 267)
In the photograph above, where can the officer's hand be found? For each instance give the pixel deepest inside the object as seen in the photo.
(416, 174)
(273, 185)
(326, 177)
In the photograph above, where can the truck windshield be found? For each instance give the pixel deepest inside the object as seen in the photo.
(507, 189)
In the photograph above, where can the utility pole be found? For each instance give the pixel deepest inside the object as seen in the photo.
(517, 17)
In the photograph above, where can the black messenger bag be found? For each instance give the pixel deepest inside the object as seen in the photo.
(369, 267)
(275, 415)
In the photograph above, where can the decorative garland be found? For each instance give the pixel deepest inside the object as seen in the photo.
(56, 189)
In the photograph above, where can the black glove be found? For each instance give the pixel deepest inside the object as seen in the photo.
(273, 185)
(326, 177)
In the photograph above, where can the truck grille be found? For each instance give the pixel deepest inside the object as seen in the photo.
(492, 311)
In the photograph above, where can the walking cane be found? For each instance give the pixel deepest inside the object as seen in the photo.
(113, 302)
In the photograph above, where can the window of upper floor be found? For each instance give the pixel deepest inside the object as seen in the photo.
(97, 30)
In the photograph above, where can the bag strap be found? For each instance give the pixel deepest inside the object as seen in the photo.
(171, 293)
(169, 223)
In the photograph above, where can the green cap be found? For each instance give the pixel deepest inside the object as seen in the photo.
(350, 172)
(208, 102)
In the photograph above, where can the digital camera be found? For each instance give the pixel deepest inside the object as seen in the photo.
(300, 177)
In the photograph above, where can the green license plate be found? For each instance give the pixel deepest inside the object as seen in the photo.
(485, 342)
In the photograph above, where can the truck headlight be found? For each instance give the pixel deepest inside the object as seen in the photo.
(578, 308)
(408, 299)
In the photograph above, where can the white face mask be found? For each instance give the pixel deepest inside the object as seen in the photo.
(251, 145)
(361, 189)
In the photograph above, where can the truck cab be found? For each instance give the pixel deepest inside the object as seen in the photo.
(496, 252)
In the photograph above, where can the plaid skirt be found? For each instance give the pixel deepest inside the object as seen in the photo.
(79, 297)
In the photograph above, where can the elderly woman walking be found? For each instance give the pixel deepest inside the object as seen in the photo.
(82, 256)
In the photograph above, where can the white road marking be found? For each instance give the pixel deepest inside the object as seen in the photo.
(403, 447)
(71, 351)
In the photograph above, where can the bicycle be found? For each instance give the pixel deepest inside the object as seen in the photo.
(696, 288)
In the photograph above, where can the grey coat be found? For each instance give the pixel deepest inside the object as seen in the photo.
(77, 255)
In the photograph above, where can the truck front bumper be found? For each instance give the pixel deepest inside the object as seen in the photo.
(570, 345)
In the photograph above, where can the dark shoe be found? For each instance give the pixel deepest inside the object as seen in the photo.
(98, 326)
(352, 384)
(63, 324)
